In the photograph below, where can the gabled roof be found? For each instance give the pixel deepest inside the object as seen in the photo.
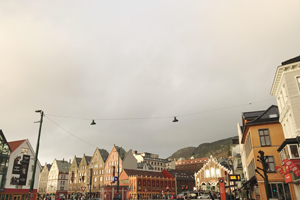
(134, 172)
(78, 160)
(88, 159)
(142, 164)
(63, 166)
(122, 152)
(15, 144)
(252, 115)
(292, 60)
(104, 154)
(270, 115)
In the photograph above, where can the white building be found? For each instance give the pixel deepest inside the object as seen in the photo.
(57, 184)
(157, 163)
(20, 169)
(286, 89)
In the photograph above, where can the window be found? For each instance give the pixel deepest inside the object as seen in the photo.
(264, 137)
(24, 151)
(298, 81)
(271, 163)
(294, 151)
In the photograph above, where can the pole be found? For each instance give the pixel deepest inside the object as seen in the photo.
(91, 172)
(36, 154)
(118, 172)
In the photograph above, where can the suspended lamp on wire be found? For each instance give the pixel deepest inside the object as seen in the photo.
(175, 120)
(93, 122)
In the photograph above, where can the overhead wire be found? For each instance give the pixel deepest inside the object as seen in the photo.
(68, 131)
(141, 118)
(160, 117)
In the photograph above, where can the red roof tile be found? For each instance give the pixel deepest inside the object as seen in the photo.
(15, 144)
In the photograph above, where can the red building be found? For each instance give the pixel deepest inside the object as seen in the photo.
(147, 184)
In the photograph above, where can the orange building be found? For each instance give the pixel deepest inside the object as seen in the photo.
(263, 132)
(147, 184)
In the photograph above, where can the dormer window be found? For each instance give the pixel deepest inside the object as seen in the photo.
(273, 115)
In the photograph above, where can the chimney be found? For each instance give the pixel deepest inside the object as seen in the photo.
(70, 161)
(63, 159)
(135, 152)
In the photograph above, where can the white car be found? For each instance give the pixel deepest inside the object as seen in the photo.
(203, 196)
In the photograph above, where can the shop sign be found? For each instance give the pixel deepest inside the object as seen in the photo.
(288, 178)
(292, 166)
(280, 170)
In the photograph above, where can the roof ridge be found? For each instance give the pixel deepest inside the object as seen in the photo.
(15, 144)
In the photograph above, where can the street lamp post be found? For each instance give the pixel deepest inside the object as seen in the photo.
(91, 173)
(36, 153)
(118, 182)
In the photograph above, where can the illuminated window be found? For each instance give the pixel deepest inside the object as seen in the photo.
(207, 173)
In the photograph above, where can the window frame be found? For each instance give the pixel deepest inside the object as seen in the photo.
(264, 136)
(267, 161)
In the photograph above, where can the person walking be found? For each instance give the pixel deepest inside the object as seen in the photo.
(211, 196)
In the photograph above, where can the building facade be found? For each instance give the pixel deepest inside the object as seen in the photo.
(19, 171)
(263, 132)
(113, 163)
(206, 178)
(97, 169)
(158, 164)
(57, 185)
(4, 160)
(148, 184)
(43, 180)
(74, 189)
(286, 89)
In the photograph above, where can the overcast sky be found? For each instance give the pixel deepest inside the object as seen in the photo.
(138, 59)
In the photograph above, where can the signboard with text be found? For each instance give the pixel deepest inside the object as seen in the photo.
(222, 189)
(20, 170)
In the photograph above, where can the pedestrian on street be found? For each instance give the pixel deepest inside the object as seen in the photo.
(211, 196)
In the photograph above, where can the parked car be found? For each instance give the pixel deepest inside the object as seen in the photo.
(180, 197)
(203, 196)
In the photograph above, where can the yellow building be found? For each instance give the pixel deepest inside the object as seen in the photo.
(262, 131)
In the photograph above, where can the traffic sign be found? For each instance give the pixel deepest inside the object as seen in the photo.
(83, 188)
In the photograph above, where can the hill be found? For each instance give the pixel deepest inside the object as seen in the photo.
(217, 149)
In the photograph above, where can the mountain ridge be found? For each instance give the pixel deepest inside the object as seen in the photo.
(218, 149)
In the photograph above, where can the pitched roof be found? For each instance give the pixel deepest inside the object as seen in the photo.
(181, 175)
(292, 60)
(269, 115)
(252, 115)
(63, 166)
(134, 172)
(104, 154)
(15, 144)
(78, 160)
(122, 152)
(88, 159)
(142, 164)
